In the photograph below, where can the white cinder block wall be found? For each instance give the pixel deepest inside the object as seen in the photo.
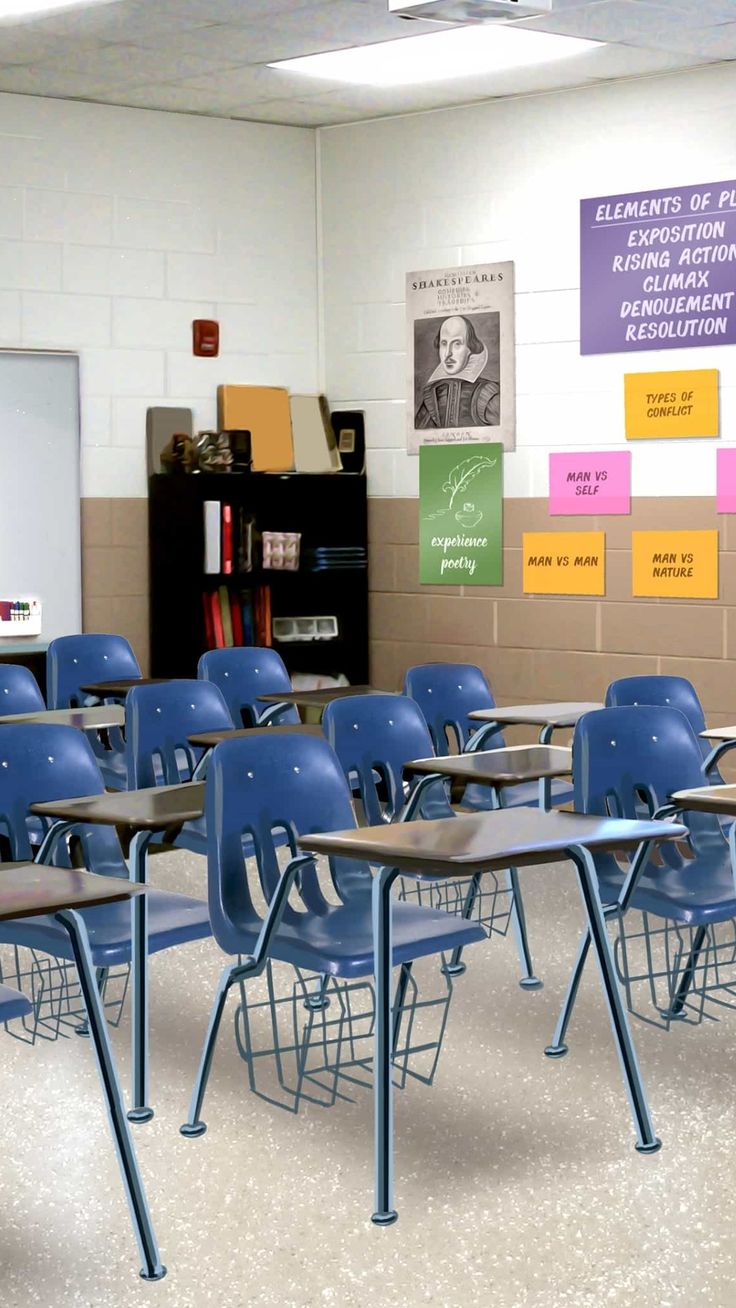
(119, 226)
(503, 181)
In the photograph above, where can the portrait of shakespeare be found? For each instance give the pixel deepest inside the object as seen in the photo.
(459, 393)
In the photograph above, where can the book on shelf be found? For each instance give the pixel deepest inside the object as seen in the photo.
(226, 541)
(212, 534)
(234, 617)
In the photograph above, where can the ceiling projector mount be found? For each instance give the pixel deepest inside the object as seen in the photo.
(469, 11)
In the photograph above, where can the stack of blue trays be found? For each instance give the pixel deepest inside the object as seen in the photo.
(332, 558)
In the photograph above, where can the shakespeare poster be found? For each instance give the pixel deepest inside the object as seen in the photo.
(460, 350)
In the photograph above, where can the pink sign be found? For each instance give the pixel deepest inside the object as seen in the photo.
(590, 483)
(726, 480)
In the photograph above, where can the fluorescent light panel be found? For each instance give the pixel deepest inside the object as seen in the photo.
(438, 57)
(15, 11)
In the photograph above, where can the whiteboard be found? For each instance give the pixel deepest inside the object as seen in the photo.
(40, 545)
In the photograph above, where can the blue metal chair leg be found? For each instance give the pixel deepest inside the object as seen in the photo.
(320, 1000)
(558, 1048)
(153, 1269)
(384, 1213)
(646, 1141)
(251, 965)
(686, 979)
(194, 1126)
(518, 921)
(140, 1111)
(456, 967)
(404, 974)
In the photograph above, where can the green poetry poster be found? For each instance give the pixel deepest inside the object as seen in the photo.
(461, 515)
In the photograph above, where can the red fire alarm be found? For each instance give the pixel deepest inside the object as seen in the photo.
(206, 337)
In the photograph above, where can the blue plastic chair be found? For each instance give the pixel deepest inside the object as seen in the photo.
(40, 763)
(295, 783)
(19, 692)
(159, 719)
(74, 661)
(625, 759)
(672, 692)
(242, 674)
(373, 737)
(446, 693)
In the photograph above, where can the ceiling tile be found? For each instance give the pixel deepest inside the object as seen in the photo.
(128, 65)
(627, 22)
(209, 56)
(699, 13)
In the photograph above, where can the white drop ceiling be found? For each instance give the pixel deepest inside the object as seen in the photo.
(211, 56)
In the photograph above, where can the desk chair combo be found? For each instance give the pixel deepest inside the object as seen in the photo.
(374, 736)
(667, 692)
(243, 674)
(293, 784)
(68, 902)
(680, 955)
(46, 763)
(446, 693)
(72, 661)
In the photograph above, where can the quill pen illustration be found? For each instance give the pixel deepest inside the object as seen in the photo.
(463, 473)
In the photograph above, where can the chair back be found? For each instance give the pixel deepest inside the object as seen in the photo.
(373, 737)
(262, 787)
(244, 673)
(19, 692)
(672, 692)
(44, 762)
(159, 719)
(628, 761)
(74, 660)
(446, 693)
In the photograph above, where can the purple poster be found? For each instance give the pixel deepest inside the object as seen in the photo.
(658, 269)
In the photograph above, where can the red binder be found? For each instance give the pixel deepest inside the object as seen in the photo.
(217, 620)
(209, 630)
(236, 617)
(227, 538)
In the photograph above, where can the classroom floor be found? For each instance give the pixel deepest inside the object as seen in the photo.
(517, 1182)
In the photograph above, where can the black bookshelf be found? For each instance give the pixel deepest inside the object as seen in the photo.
(328, 510)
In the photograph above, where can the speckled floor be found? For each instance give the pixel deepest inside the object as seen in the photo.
(517, 1182)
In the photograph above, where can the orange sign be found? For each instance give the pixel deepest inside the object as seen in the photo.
(564, 562)
(666, 404)
(682, 564)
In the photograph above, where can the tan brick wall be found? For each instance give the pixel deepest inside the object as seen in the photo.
(115, 570)
(546, 648)
(530, 648)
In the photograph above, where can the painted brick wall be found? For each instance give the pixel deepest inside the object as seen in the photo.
(503, 180)
(119, 226)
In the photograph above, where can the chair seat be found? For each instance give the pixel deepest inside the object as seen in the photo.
(193, 836)
(13, 1004)
(340, 941)
(700, 892)
(114, 770)
(172, 920)
(477, 798)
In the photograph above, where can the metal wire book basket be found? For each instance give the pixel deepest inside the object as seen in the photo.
(675, 973)
(52, 986)
(491, 907)
(309, 1039)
